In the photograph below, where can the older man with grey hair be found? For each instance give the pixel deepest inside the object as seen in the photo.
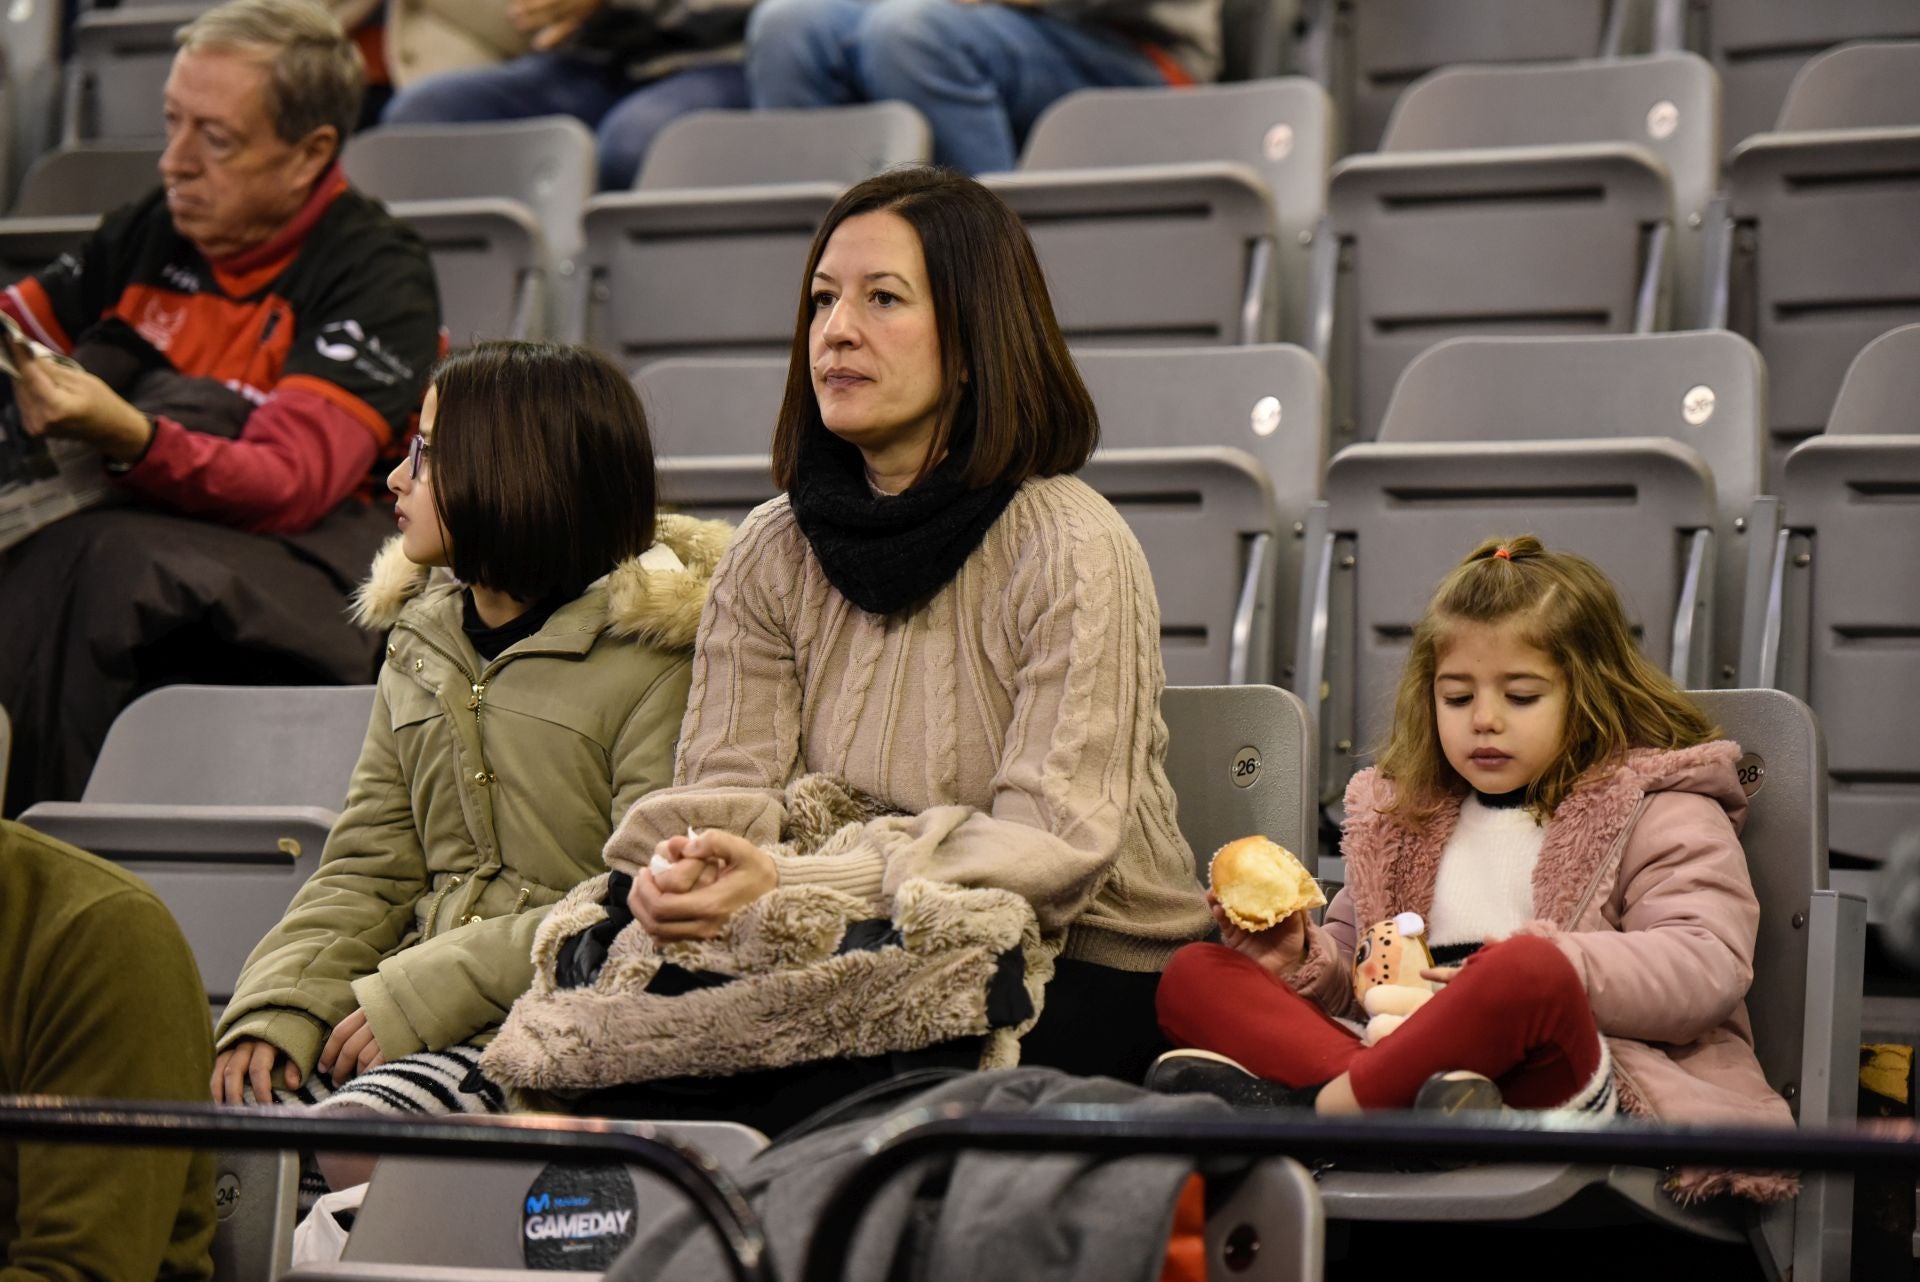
(250, 342)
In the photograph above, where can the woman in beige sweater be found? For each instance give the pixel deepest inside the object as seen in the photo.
(940, 615)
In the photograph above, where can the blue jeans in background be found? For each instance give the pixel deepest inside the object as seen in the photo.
(626, 115)
(980, 73)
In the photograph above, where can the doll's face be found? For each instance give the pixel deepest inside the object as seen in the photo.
(1384, 956)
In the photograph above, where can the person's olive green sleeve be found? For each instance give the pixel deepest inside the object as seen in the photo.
(118, 1012)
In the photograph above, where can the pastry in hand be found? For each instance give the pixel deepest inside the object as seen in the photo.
(1260, 884)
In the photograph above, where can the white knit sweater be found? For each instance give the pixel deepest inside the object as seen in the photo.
(1013, 719)
(1485, 887)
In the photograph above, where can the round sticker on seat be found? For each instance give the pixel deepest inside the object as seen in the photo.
(578, 1217)
(1266, 416)
(226, 1195)
(1246, 767)
(1752, 770)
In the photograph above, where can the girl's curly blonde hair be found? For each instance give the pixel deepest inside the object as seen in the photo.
(1567, 609)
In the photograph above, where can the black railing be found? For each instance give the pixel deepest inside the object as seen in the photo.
(551, 1138)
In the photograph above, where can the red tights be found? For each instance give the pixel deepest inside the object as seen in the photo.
(1517, 1013)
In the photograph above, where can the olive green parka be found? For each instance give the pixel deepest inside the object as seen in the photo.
(484, 793)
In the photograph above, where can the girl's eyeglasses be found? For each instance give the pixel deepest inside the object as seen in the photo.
(417, 452)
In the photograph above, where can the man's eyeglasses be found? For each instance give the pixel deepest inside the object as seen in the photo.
(417, 452)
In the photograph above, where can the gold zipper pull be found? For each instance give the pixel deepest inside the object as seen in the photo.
(479, 697)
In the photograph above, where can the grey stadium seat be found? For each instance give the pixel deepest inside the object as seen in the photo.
(30, 37)
(221, 799)
(491, 264)
(1668, 103)
(1397, 518)
(1706, 388)
(90, 179)
(1759, 45)
(1270, 401)
(1513, 240)
(63, 197)
(256, 1195)
(500, 206)
(1203, 515)
(1205, 518)
(704, 405)
(1379, 47)
(739, 149)
(117, 72)
(1871, 85)
(1880, 395)
(1816, 261)
(1241, 761)
(714, 270)
(1805, 1005)
(1167, 217)
(545, 163)
(470, 1215)
(1833, 605)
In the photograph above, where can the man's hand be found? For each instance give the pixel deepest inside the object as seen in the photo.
(351, 1049)
(680, 906)
(551, 21)
(62, 400)
(250, 1060)
(1279, 949)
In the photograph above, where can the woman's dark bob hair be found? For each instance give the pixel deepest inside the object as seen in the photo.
(542, 467)
(1008, 380)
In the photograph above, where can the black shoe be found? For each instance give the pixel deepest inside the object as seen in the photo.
(1459, 1092)
(1195, 1072)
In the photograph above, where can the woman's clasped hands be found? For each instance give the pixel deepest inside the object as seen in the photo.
(696, 882)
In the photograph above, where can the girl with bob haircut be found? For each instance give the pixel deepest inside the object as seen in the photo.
(940, 619)
(541, 618)
(1566, 822)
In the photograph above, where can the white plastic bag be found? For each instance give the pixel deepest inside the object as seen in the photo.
(319, 1239)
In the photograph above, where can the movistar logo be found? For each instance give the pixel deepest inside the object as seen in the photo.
(540, 1202)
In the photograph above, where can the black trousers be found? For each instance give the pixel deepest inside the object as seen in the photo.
(111, 602)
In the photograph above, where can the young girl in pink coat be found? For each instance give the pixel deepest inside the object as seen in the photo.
(1566, 821)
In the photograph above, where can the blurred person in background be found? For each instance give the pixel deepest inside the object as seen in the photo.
(980, 71)
(625, 68)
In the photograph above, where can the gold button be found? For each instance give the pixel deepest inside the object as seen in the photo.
(419, 664)
(390, 651)
(469, 919)
(480, 777)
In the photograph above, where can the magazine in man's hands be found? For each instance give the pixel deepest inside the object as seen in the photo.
(41, 479)
(18, 347)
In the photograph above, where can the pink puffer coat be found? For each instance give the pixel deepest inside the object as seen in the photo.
(1642, 881)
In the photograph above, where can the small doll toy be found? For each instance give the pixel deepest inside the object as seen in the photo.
(1387, 963)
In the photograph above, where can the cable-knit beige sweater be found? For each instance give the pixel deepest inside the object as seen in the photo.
(1013, 718)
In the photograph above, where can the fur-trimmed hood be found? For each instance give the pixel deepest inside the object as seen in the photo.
(658, 606)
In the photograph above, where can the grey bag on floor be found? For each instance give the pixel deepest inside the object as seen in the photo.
(1039, 1218)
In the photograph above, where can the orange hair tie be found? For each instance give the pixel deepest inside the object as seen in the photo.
(1503, 554)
